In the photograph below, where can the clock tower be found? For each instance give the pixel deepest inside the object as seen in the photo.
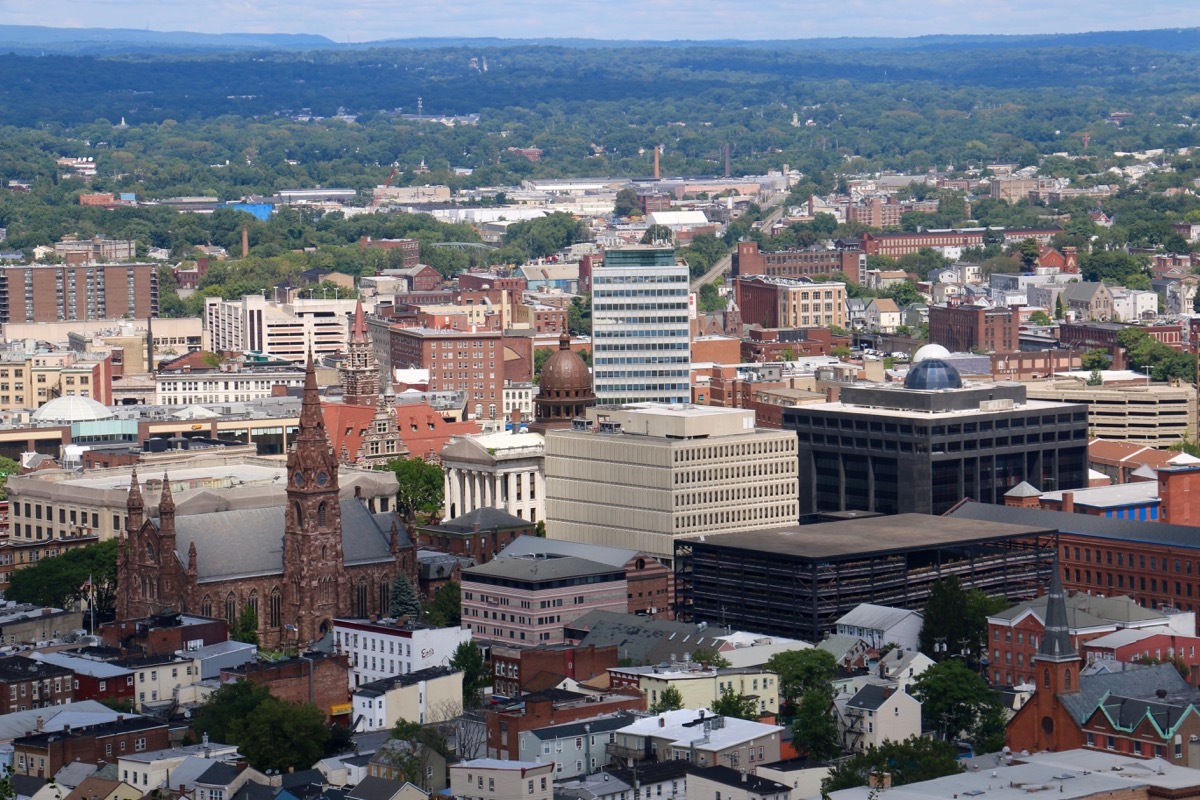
(312, 541)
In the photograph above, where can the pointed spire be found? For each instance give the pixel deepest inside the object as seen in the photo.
(135, 500)
(395, 537)
(192, 558)
(564, 341)
(166, 502)
(1056, 639)
(358, 329)
(310, 406)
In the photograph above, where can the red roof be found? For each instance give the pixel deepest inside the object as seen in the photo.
(422, 429)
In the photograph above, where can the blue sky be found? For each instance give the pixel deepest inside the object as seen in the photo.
(363, 20)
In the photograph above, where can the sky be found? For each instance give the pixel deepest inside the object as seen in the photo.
(367, 20)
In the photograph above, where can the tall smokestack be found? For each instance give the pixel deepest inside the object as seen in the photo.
(727, 172)
(656, 149)
(245, 241)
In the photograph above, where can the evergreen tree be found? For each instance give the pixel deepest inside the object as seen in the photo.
(669, 699)
(404, 599)
(245, 628)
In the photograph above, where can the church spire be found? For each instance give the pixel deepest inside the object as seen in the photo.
(358, 329)
(311, 420)
(166, 515)
(135, 506)
(1056, 639)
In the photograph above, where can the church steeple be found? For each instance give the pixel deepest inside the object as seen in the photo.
(359, 373)
(166, 513)
(1056, 639)
(135, 506)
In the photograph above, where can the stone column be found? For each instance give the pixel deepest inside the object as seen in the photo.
(539, 482)
(510, 503)
(448, 491)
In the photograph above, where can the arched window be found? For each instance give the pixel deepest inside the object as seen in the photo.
(230, 608)
(385, 597)
(275, 611)
(149, 551)
(206, 606)
(1046, 679)
(252, 601)
(360, 598)
(1067, 679)
(321, 515)
(299, 515)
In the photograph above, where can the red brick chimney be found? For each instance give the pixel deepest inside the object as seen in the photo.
(1068, 502)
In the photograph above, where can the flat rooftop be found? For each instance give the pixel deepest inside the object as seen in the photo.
(875, 534)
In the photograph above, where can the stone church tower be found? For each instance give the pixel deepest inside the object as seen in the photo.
(312, 540)
(359, 373)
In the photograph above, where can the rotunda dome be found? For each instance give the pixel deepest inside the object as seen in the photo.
(931, 374)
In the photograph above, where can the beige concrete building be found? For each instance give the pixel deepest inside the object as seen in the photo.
(281, 330)
(701, 737)
(58, 504)
(643, 475)
(433, 694)
(804, 304)
(699, 687)
(1154, 415)
(493, 779)
(496, 470)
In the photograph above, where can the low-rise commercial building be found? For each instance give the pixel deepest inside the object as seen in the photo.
(703, 738)
(433, 694)
(380, 650)
(493, 779)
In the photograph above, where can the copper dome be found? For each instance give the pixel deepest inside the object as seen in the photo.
(565, 371)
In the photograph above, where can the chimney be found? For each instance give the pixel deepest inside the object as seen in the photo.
(745, 775)
(656, 162)
(727, 173)
(1161, 694)
(879, 780)
(1068, 502)
(245, 241)
(41, 723)
(516, 420)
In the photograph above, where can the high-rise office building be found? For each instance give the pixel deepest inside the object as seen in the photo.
(641, 337)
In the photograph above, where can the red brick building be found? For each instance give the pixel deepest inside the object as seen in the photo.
(1150, 645)
(748, 260)
(894, 245)
(514, 285)
(164, 633)
(878, 212)
(52, 293)
(409, 249)
(962, 328)
(26, 684)
(323, 680)
(504, 725)
(94, 679)
(517, 671)
(43, 754)
(479, 535)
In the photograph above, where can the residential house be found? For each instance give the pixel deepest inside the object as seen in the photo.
(44, 753)
(505, 723)
(731, 784)
(883, 315)
(1088, 300)
(372, 788)
(875, 714)
(94, 788)
(699, 686)
(856, 312)
(151, 769)
(576, 748)
(703, 738)
(492, 779)
(433, 694)
(882, 625)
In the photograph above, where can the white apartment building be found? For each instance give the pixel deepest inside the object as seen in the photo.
(641, 334)
(151, 770)
(493, 779)
(281, 330)
(238, 384)
(433, 694)
(642, 475)
(379, 650)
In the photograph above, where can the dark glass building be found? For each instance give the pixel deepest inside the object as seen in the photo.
(925, 446)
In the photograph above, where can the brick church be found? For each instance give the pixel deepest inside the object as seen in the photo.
(332, 558)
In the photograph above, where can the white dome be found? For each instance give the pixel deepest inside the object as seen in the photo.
(929, 351)
(72, 408)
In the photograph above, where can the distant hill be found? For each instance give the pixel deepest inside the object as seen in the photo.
(33, 39)
(36, 40)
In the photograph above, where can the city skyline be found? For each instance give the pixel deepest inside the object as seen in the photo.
(373, 20)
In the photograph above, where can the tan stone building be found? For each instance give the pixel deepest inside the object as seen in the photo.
(433, 694)
(1154, 415)
(640, 476)
(493, 779)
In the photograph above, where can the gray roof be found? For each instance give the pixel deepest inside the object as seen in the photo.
(1081, 291)
(489, 519)
(78, 714)
(838, 644)
(525, 545)
(73, 774)
(218, 774)
(869, 697)
(1023, 489)
(372, 788)
(600, 724)
(874, 617)
(384, 685)
(644, 640)
(1132, 683)
(249, 541)
(536, 570)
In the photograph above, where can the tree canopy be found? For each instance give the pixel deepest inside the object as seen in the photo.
(62, 581)
(421, 491)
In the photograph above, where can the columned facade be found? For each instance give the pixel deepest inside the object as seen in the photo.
(500, 470)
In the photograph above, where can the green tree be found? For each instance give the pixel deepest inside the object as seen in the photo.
(468, 658)
(912, 761)
(988, 734)
(540, 357)
(952, 697)
(421, 488)
(1060, 311)
(579, 316)
(1028, 250)
(710, 299)
(842, 352)
(802, 671)
(8, 468)
(63, 581)
(1040, 318)
(657, 233)
(410, 749)
(1095, 378)
(445, 607)
(956, 620)
(1095, 359)
(627, 203)
(226, 707)
(669, 699)
(709, 658)
(245, 629)
(405, 602)
(814, 730)
(732, 704)
(282, 736)
(905, 294)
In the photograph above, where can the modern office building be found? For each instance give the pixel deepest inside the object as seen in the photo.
(641, 336)
(280, 330)
(926, 445)
(799, 580)
(639, 476)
